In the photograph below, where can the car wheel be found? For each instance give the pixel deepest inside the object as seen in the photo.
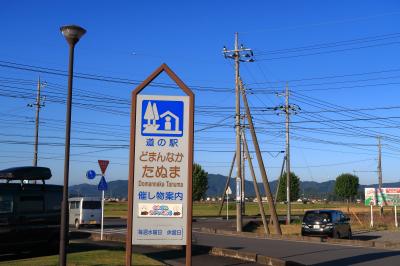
(77, 225)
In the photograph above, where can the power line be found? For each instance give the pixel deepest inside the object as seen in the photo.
(117, 80)
(331, 44)
(291, 81)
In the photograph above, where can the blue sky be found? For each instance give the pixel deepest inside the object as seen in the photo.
(339, 58)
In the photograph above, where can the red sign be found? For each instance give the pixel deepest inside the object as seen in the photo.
(103, 165)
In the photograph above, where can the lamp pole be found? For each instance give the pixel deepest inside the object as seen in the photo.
(72, 34)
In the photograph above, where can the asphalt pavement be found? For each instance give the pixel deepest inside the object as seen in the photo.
(297, 251)
(303, 252)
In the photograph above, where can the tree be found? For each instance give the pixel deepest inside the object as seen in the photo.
(149, 114)
(346, 186)
(294, 187)
(200, 182)
(155, 113)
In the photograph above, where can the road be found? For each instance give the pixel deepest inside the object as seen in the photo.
(302, 252)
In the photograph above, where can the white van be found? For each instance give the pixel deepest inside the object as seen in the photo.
(85, 211)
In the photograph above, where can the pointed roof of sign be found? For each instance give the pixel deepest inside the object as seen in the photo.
(163, 68)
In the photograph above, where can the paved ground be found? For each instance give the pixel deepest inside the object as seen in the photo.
(378, 236)
(119, 225)
(302, 252)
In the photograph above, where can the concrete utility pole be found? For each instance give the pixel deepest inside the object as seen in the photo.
(237, 127)
(288, 218)
(380, 170)
(288, 109)
(238, 55)
(260, 161)
(379, 162)
(38, 105)
(256, 189)
(243, 198)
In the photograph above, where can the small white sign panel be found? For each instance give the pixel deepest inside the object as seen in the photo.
(161, 170)
(160, 210)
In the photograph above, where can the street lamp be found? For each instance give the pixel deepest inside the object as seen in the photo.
(72, 34)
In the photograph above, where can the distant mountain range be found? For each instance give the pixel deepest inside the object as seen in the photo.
(216, 184)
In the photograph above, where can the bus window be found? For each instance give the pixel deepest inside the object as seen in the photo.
(74, 204)
(91, 205)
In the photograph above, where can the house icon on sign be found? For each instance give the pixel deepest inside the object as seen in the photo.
(165, 124)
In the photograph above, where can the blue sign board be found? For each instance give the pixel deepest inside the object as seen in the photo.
(102, 184)
(90, 174)
(162, 118)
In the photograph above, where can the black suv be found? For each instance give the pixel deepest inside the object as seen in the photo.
(29, 213)
(330, 223)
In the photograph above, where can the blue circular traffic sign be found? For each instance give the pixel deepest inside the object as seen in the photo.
(90, 174)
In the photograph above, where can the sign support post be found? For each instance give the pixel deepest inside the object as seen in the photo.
(227, 192)
(372, 217)
(102, 186)
(227, 207)
(102, 215)
(388, 196)
(160, 168)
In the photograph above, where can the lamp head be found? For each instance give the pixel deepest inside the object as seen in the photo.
(72, 33)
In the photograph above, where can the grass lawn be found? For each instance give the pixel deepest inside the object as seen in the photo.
(359, 214)
(82, 255)
(116, 209)
(120, 209)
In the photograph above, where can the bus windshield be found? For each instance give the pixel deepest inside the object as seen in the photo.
(91, 205)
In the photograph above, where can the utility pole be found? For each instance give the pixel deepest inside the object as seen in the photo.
(380, 171)
(264, 177)
(243, 198)
(38, 104)
(237, 55)
(288, 109)
(237, 127)
(379, 162)
(288, 218)
(256, 189)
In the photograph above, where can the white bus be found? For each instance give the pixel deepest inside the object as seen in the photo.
(85, 211)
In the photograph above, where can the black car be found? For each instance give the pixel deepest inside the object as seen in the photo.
(330, 223)
(29, 213)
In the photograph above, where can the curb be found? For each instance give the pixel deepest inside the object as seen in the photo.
(350, 242)
(252, 257)
(223, 252)
(108, 237)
